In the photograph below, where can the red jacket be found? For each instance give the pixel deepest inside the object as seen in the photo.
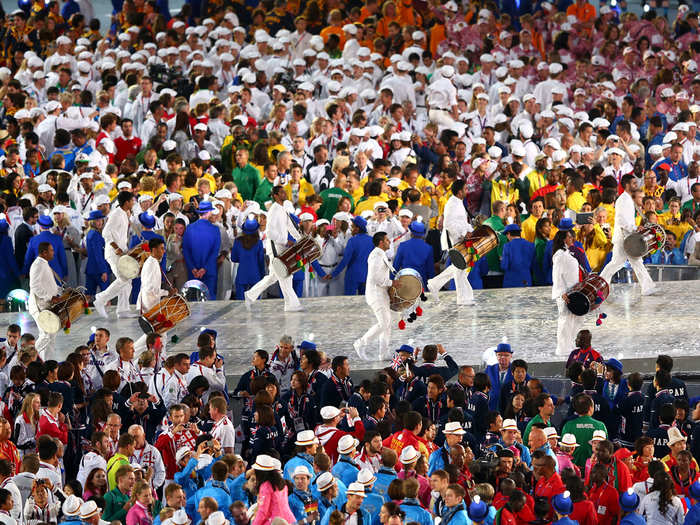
(622, 482)
(329, 437)
(398, 440)
(167, 445)
(48, 425)
(126, 148)
(605, 500)
(548, 488)
(584, 513)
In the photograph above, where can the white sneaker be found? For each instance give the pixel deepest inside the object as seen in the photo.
(99, 307)
(299, 308)
(433, 293)
(127, 314)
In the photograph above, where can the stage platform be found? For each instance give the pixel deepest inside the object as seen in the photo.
(635, 331)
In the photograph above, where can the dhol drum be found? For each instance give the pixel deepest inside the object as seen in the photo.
(64, 312)
(166, 314)
(411, 288)
(482, 241)
(587, 295)
(304, 251)
(648, 238)
(129, 265)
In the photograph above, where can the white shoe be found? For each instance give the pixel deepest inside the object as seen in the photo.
(299, 308)
(99, 307)
(651, 291)
(127, 314)
(433, 293)
(248, 301)
(357, 345)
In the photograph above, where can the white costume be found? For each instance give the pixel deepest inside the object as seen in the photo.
(215, 376)
(149, 296)
(279, 226)
(624, 225)
(456, 226)
(128, 371)
(116, 230)
(175, 389)
(377, 297)
(564, 276)
(42, 288)
(148, 456)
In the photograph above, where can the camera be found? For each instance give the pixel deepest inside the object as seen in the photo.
(210, 443)
(171, 77)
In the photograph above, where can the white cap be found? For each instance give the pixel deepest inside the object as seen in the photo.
(405, 212)
(568, 440)
(598, 435)
(329, 412)
(181, 453)
(408, 455)
(366, 477)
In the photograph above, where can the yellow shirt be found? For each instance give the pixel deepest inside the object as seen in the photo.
(504, 191)
(528, 228)
(587, 189)
(358, 193)
(188, 193)
(421, 185)
(368, 204)
(611, 213)
(598, 249)
(575, 201)
(305, 189)
(679, 230)
(537, 181)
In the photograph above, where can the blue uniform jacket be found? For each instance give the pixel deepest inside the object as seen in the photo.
(58, 263)
(663, 257)
(495, 393)
(69, 156)
(438, 459)
(345, 470)
(457, 518)
(185, 480)
(517, 263)
(477, 273)
(635, 519)
(355, 258)
(630, 412)
(251, 267)
(200, 247)
(373, 504)
(9, 271)
(417, 254)
(384, 477)
(301, 459)
(366, 518)
(95, 245)
(235, 487)
(414, 512)
(216, 490)
(297, 505)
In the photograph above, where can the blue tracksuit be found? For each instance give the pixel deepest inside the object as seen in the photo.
(96, 263)
(414, 512)
(365, 515)
(517, 263)
(69, 156)
(345, 470)
(216, 490)
(438, 459)
(417, 254)
(146, 235)
(373, 504)
(58, 264)
(477, 273)
(235, 488)
(185, 480)
(200, 247)
(478, 407)
(251, 266)
(635, 519)
(384, 477)
(297, 503)
(663, 397)
(495, 393)
(630, 412)
(301, 459)
(355, 258)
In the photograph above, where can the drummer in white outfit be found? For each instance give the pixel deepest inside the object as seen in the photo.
(377, 297)
(565, 274)
(624, 226)
(279, 227)
(455, 227)
(151, 292)
(42, 289)
(116, 235)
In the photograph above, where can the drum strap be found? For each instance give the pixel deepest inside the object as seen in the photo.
(449, 242)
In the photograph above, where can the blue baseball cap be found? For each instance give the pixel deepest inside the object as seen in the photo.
(147, 220)
(205, 207)
(511, 228)
(45, 221)
(562, 503)
(250, 226)
(95, 215)
(478, 510)
(360, 223)
(417, 228)
(405, 348)
(629, 500)
(210, 331)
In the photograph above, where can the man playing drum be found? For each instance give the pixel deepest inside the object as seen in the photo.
(456, 226)
(377, 297)
(116, 236)
(624, 226)
(565, 274)
(42, 291)
(151, 291)
(279, 227)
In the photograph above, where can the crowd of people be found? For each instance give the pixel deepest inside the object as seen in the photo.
(379, 134)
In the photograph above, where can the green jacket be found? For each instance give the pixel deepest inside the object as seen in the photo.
(331, 197)
(263, 193)
(494, 256)
(114, 506)
(583, 427)
(247, 180)
(528, 428)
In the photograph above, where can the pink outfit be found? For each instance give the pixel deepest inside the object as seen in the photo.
(271, 504)
(138, 514)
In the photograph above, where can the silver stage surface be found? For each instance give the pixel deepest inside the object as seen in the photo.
(636, 327)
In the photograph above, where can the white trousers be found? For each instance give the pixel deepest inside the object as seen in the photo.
(568, 326)
(45, 344)
(381, 330)
(465, 294)
(619, 257)
(120, 288)
(442, 118)
(291, 301)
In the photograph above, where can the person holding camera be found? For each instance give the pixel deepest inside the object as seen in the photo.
(41, 506)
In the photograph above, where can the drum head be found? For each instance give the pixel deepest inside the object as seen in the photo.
(635, 245)
(578, 303)
(48, 322)
(128, 267)
(279, 268)
(145, 325)
(457, 259)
